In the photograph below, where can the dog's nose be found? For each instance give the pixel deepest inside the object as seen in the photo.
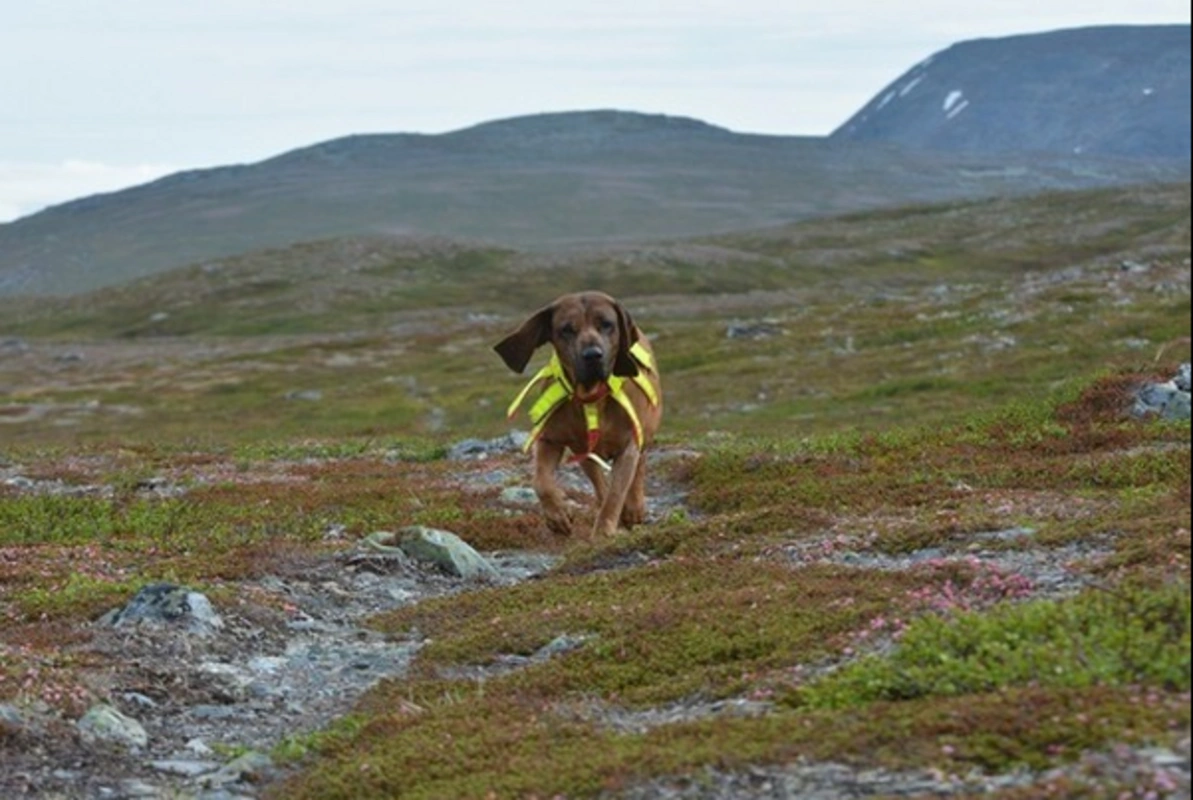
(592, 354)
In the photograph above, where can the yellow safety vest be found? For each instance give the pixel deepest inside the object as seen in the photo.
(557, 390)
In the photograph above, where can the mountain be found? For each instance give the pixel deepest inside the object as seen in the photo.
(1064, 110)
(1115, 91)
(548, 180)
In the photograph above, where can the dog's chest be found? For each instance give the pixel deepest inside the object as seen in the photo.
(570, 427)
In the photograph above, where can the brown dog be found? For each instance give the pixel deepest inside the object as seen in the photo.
(600, 399)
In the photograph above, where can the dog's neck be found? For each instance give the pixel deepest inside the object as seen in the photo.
(598, 392)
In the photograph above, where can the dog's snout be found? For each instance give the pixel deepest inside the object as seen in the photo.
(592, 353)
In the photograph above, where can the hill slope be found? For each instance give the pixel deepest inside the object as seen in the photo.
(1118, 90)
(546, 180)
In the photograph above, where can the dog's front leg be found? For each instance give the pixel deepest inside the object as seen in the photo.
(547, 458)
(596, 476)
(634, 511)
(625, 467)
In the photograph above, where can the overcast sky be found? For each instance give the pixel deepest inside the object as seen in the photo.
(100, 94)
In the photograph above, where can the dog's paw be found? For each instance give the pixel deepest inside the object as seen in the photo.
(633, 515)
(559, 523)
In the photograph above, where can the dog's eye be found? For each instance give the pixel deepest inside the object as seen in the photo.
(567, 331)
(607, 326)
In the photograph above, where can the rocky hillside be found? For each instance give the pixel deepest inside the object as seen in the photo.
(544, 181)
(1110, 91)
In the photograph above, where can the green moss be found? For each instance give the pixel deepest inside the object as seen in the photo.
(656, 633)
(1101, 638)
(79, 595)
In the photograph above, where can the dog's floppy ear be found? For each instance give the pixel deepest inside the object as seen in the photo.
(627, 336)
(517, 348)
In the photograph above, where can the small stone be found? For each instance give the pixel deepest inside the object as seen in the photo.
(185, 768)
(519, 496)
(1008, 535)
(267, 665)
(1164, 758)
(558, 646)
(209, 712)
(135, 788)
(251, 766)
(305, 395)
(138, 699)
(199, 748)
(474, 449)
(752, 330)
(10, 716)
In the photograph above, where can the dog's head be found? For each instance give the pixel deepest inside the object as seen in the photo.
(591, 333)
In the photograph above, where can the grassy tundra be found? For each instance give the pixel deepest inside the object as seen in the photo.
(915, 530)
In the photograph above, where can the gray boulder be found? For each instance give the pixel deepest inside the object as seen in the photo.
(1167, 400)
(446, 551)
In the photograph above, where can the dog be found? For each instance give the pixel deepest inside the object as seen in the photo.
(601, 399)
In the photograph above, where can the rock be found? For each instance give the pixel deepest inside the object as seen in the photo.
(519, 496)
(512, 442)
(185, 768)
(558, 646)
(159, 486)
(1182, 379)
(103, 723)
(138, 699)
(136, 788)
(10, 718)
(306, 395)
(167, 604)
(1164, 758)
(445, 550)
(252, 766)
(210, 712)
(520, 565)
(1165, 400)
(1007, 535)
(752, 330)
(199, 748)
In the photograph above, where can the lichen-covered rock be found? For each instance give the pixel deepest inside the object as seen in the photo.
(1167, 400)
(446, 551)
(167, 604)
(103, 723)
